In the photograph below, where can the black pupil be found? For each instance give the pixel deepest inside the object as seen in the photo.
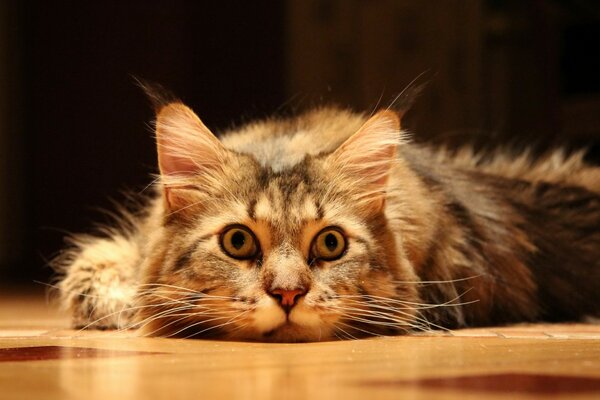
(331, 242)
(238, 239)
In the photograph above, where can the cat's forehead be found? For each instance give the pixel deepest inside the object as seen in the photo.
(280, 208)
(281, 153)
(292, 196)
(282, 144)
(290, 200)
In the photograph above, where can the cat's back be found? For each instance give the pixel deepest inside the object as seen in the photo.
(557, 166)
(281, 143)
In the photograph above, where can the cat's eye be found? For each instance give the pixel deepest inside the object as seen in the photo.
(329, 244)
(239, 242)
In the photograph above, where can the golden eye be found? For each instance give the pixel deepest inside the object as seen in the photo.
(329, 244)
(239, 242)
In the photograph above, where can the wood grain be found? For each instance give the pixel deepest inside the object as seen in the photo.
(561, 361)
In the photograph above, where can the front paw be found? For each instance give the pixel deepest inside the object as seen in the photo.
(98, 296)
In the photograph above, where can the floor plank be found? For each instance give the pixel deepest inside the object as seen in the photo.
(41, 358)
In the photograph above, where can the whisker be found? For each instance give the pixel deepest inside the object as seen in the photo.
(441, 281)
(347, 334)
(388, 308)
(171, 313)
(153, 318)
(163, 314)
(396, 321)
(360, 329)
(448, 303)
(230, 321)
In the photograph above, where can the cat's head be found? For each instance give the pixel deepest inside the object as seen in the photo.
(296, 253)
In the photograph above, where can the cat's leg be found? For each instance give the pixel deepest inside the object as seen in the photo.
(99, 281)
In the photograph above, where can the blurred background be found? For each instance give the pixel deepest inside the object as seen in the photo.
(74, 128)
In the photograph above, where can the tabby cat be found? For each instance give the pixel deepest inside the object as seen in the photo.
(333, 225)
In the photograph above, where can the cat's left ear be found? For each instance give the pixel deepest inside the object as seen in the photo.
(187, 150)
(185, 145)
(366, 158)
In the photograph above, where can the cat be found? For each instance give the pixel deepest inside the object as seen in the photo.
(333, 225)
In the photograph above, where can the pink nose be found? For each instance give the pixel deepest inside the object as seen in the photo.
(287, 298)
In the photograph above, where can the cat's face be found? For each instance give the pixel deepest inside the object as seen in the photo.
(302, 254)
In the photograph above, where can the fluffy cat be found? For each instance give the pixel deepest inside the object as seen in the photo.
(333, 225)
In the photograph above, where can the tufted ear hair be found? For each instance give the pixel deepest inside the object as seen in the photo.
(186, 149)
(366, 158)
(185, 145)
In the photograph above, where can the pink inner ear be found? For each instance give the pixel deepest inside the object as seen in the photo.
(368, 155)
(382, 169)
(173, 164)
(185, 145)
(370, 152)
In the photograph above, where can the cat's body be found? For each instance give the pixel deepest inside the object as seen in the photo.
(331, 225)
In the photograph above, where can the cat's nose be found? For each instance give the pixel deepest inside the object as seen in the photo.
(287, 298)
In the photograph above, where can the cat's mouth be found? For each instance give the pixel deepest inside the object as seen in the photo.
(291, 331)
(286, 332)
(285, 326)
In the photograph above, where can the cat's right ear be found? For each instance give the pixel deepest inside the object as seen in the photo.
(367, 157)
(187, 151)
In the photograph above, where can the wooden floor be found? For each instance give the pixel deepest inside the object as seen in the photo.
(41, 359)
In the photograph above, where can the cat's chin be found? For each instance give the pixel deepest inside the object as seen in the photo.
(291, 332)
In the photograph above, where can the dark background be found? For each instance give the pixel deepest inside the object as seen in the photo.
(75, 128)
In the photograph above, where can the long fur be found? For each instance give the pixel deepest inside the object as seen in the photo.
(435, 238)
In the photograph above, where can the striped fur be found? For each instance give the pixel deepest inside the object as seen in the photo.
(434, 239)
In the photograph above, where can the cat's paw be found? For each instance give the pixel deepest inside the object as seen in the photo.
(98, 287)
